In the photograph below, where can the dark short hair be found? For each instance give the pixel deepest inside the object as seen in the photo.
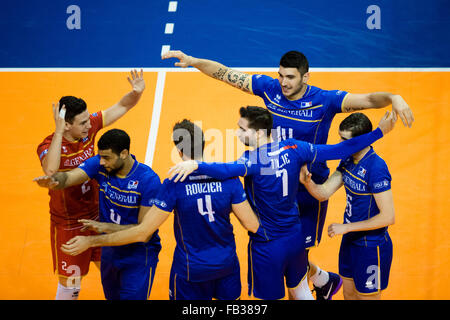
(258, 118)
(74, 106)
(189, 139)
(115, 139)
(295, 59)
(357, 123)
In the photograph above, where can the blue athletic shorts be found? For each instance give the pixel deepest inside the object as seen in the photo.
(269, 263)
(367, 266)
(128, 281)
(225, 288)
(312, 215)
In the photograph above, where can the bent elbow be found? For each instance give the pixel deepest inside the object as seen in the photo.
(392, 221)
(253, 227)
(49, 172)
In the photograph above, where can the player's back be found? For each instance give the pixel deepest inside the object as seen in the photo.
(202, 205)
(272, 183)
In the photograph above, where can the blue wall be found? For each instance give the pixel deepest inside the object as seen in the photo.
(244, 33)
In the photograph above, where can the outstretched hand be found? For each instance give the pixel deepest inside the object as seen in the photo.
(46, 182)
(184, 60)
(137, 80)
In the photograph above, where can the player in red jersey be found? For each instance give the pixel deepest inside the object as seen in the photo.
(65, 149)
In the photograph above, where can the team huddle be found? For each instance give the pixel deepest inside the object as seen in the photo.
(107, 208)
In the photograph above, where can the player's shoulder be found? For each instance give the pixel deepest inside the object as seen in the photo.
(146, 172)
(316, 91)
(46, 141)
(376, 162)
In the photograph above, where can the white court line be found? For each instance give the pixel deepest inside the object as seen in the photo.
(190, 69)
(156, 114)
(173, 6)
(169, 28)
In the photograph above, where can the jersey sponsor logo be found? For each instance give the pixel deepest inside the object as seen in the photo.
(381, 184)
(354, 185)
(133, 184)
(76, 161)
(113, 195)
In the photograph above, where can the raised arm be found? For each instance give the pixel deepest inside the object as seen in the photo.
(348, 147)
(51, 161)
(321, 192)
(128, 101)
(386, 217)
(61, 180)
(246, 216)
(216, 70)
(138, 233)
(376, 100)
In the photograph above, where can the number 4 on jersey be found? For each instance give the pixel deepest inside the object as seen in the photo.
(209, 211)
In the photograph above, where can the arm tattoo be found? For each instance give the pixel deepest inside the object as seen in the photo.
(351, 109)
(219, 74)
(237, 79)
(233, 76)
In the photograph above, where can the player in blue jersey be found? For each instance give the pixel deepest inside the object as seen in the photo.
(365, 255)
(276, 252)
(302, 112)
(127, 189)
(205, 264)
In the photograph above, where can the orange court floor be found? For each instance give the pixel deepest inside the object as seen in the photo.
(417, 158)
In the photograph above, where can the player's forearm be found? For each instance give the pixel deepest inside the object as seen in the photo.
(129, 100)
(317, 191)
(346, 148)
(383, 219)
(52, 160)
(220, 72)
(113, 227)
(61, 177)
(119, 238)
(222, 170)
(379, 100)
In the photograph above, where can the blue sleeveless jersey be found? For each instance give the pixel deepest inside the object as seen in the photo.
(307, 119)
(206, 248)
(361, 180)
(119, 202)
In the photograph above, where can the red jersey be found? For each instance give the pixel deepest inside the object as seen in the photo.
(80, 201)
